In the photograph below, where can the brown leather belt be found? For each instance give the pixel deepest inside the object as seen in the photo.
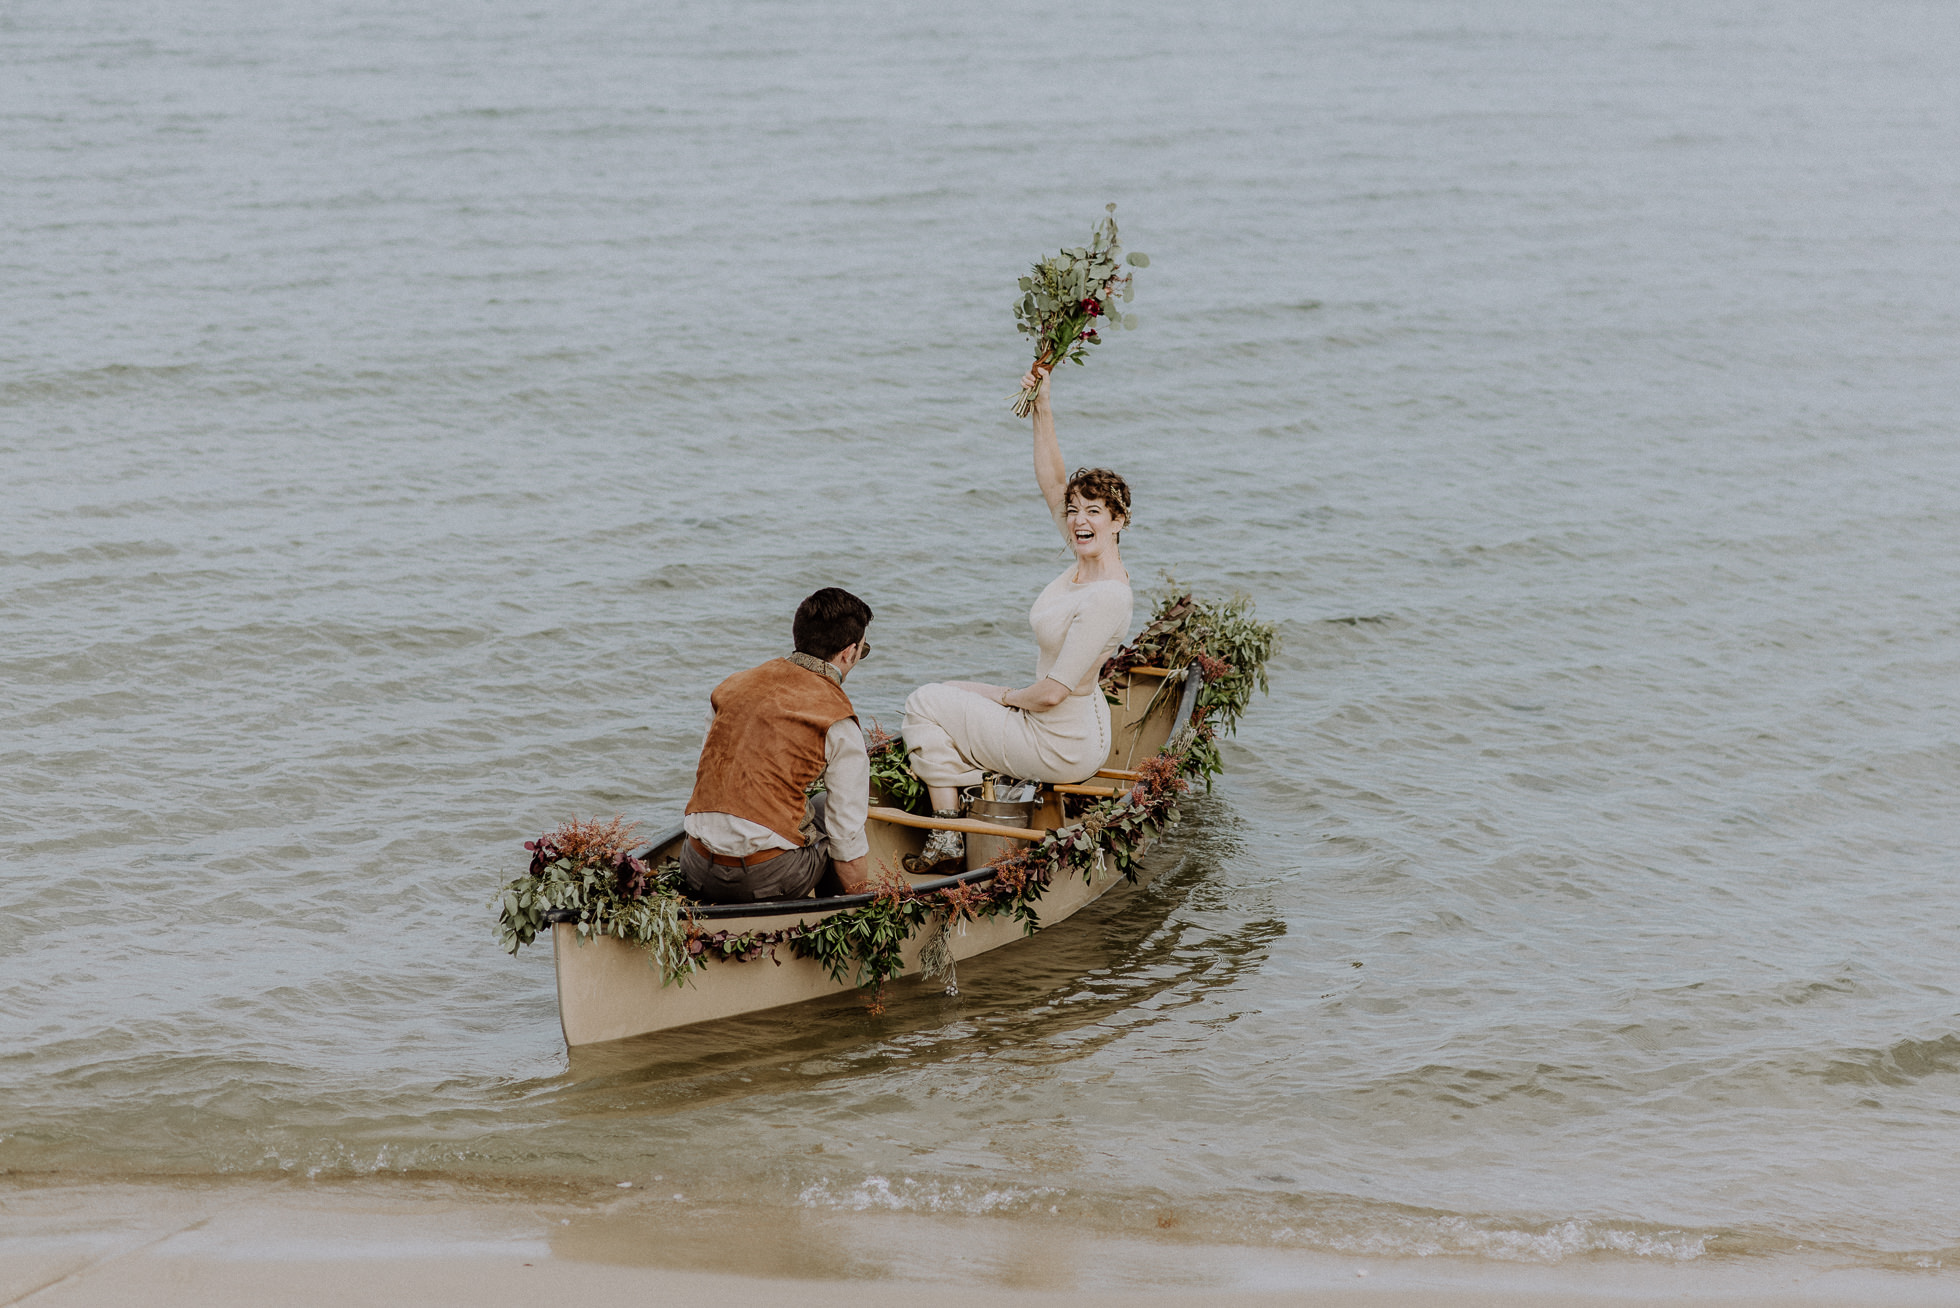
(725, 861)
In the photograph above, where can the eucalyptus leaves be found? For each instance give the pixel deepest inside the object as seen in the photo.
(1229, 645)
(587, 868)
(1064, 295)
(891, 770)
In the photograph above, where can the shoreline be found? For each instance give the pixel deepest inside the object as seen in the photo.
(71, 1241)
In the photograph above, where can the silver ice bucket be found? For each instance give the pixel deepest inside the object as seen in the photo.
(982, 850)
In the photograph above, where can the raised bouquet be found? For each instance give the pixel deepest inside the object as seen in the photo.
(1065, 294)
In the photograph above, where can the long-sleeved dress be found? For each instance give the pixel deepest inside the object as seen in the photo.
(954, 735)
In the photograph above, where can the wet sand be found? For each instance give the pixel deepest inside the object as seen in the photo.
(440, 1243)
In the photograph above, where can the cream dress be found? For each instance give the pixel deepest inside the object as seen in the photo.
(954, 735)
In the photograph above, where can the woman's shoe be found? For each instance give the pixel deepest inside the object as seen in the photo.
(943, 846)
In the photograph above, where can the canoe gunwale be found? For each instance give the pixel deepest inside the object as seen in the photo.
(1187, 706)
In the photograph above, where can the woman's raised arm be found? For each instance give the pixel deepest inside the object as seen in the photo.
(1050, 473)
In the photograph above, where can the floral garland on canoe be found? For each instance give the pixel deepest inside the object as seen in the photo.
(585, 872)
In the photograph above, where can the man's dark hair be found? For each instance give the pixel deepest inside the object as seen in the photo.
(829, 621)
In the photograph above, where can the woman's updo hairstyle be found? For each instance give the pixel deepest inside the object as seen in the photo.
(1100, 484)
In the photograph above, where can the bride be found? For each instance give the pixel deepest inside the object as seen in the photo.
(1056, 729)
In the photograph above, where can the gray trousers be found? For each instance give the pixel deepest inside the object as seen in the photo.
(792, 874)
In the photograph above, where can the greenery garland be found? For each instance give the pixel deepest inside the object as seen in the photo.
(586, 870)
(1231, 649)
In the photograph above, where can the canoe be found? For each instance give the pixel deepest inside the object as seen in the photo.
(608, 989)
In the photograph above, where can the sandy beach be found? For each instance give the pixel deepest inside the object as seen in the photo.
(438, 1243)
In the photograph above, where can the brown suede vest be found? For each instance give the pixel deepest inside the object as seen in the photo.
(766, 744)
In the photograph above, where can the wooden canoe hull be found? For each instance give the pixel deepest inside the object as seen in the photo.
(609, 990)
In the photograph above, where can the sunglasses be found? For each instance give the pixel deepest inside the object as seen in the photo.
(864, 650)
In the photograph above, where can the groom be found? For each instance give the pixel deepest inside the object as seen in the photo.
(774, 729)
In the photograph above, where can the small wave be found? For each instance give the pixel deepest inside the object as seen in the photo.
(880, 1194)
(101, 552)
(94, 383)
(1900, 1064)
(1337, 1225)
(1484, 1238)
